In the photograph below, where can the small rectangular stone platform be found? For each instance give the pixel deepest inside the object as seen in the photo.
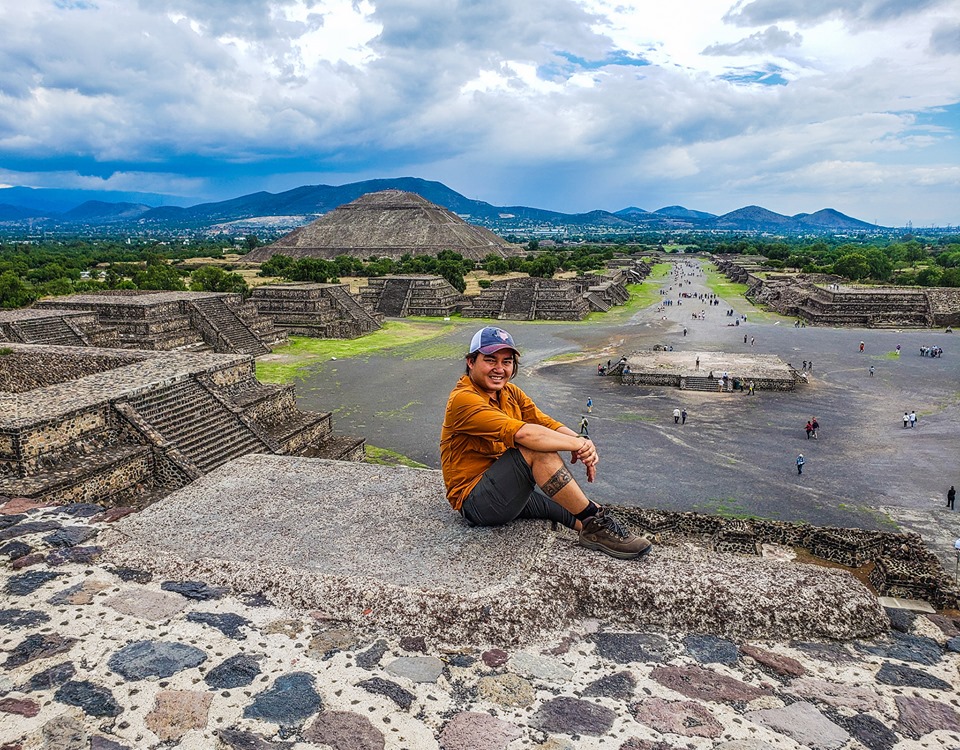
(380, 547)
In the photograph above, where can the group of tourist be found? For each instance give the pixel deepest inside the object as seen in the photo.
(812, 428)
(931, 351)
(806, 366)
(679, 416)
(909, 419)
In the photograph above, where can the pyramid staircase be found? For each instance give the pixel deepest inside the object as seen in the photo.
(700, 383)
(363, 318)
(233, 335)
(53, 331)
(192, 420)
(393, 301)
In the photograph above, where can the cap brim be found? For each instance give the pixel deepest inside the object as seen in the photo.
(493, 348)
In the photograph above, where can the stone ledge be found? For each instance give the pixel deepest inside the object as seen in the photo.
(379, 547)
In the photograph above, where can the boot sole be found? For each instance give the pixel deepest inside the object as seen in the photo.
(614, 553)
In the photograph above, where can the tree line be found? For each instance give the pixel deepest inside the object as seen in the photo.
(30, 270)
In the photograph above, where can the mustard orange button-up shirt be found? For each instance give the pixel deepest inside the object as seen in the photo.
(478, 429)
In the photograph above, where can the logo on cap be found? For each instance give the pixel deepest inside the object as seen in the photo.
(490, 339)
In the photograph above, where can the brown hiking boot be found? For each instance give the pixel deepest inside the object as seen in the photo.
(605, 533)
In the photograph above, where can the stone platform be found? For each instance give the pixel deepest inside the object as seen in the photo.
(680, 369)
(95, 656)
(379, 547)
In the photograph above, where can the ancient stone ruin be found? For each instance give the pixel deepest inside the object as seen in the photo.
(899, 564)
(605, 291)
(326, 311)
(165, 321)
(112, 426)
(823, 300)
(402, 296)
(704, 371)
(529, 299)
(55, 327)
(387, 224)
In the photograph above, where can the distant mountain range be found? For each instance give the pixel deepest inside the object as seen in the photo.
(65, 210)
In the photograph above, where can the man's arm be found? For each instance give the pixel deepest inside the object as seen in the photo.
(539, 438)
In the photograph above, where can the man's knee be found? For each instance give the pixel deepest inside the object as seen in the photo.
(540, 458)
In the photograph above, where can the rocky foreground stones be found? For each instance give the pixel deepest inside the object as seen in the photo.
(111, 659)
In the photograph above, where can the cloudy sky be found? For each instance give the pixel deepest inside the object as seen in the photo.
(569, 105)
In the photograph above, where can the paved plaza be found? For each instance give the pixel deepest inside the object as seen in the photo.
(735, 455)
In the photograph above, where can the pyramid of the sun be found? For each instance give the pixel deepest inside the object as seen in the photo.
(387, 224)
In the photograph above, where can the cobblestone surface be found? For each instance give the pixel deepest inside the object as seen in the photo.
(122, 667)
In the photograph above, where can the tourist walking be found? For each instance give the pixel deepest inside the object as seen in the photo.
(906, 420)
(500, 455)
(871, 371)
(913, 419)
(800, 462)
(808, 429)
(584, 427)
(861, 347)
(951, 496)
(676, 415)
(683, 417)
(589, 405)
(753, 340)
(816, 428)
(750, 390)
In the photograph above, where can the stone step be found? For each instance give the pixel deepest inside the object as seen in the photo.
(227, 450)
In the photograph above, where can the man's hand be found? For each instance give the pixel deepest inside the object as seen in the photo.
(588, 456)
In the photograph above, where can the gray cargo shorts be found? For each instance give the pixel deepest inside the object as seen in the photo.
(507, 491)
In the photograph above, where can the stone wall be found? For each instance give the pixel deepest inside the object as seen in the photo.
(824, 300)
(402, 296)
(902, 566)
(529, 299)
(25, 369)
(169, 321)
(102, 425)
(55, 327)
(327, 311)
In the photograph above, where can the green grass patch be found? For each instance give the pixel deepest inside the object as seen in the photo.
(727, 507)
(889, 355)
(722, 286)
(660, 270)
(404, 412)
(566, 357)
(291, 362)
(385, 457)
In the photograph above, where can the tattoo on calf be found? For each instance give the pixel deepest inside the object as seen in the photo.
(557, 482)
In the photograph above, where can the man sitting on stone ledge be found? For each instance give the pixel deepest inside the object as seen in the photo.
(500, 454)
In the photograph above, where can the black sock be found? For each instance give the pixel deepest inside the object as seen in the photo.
(591, 510)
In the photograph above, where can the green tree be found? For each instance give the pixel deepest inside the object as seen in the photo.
(852, 266)
(950, 277)
(13, 292)
(929, 276)
(881, 267)
(159, 276)
(213, 279)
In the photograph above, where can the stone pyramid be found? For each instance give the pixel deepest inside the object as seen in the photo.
(389, 224)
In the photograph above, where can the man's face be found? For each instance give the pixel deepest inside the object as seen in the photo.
(490, 372)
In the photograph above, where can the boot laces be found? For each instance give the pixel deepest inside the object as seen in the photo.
(611, 524)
